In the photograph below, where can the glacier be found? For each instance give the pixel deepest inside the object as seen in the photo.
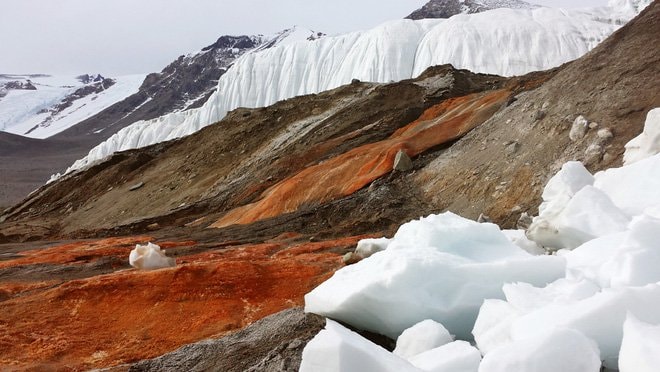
(500, 41)
(28, 112)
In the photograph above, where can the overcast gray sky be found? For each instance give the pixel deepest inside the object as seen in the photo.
(138, 36)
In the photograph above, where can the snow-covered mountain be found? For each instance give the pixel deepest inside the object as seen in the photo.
(448, 8)
(500, 41)
(40, 106)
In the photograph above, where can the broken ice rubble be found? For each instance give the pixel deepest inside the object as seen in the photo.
(523, 311)
(440, 267)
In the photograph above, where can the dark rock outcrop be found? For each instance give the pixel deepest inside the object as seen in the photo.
(272, 344)
(448, 8)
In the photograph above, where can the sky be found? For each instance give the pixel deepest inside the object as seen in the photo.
(119, 37)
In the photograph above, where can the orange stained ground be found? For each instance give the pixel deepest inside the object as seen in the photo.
(131, 315)
(357, 168)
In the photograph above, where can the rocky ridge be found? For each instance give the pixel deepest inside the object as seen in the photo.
(449, 8)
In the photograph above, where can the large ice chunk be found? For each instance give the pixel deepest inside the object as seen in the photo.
(577, 208)
(599, 317)
(421, 337)
(640, 348)
(647, 143)
(562, 350)
(573, 211)
(633, 188)
(457, 356)
(631, 258)
(441, 267)
(337, 349)
(148, 257)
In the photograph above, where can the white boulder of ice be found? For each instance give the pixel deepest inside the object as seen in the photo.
(633, 188)
(440, 267)
(640, 348)
(337, 349)
(564, 350)
(578, 207)
(457, 356)
(647, 143)
(149, 257)
(599, 317)
(630, 258)
(423, 336)
(367, 247)
(519, 238)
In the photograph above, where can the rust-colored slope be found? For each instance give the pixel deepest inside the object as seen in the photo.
(134, 315)
(351, 171)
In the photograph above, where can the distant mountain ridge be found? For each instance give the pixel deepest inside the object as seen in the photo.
(448, 8)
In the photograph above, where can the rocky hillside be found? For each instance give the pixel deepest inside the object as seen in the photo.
(184, 84)
(255, 217)
(448, 8)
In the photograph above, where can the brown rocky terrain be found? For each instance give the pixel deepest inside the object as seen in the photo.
(259, 207)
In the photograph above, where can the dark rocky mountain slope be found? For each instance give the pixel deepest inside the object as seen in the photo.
(448, 8)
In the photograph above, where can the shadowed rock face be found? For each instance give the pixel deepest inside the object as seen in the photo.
(448, 8)
(273, 344)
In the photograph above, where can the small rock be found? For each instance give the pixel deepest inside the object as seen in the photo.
(355, 81)
(539, 115)
(608, 158)
(593, 125)
(483, 218)
(605, 133)
(579, 128)
(402, 162)
(516, 209)
(154, 226)
(349, 258)
(593, 153)
(136, 186)
(512, 148)
(524, 221)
